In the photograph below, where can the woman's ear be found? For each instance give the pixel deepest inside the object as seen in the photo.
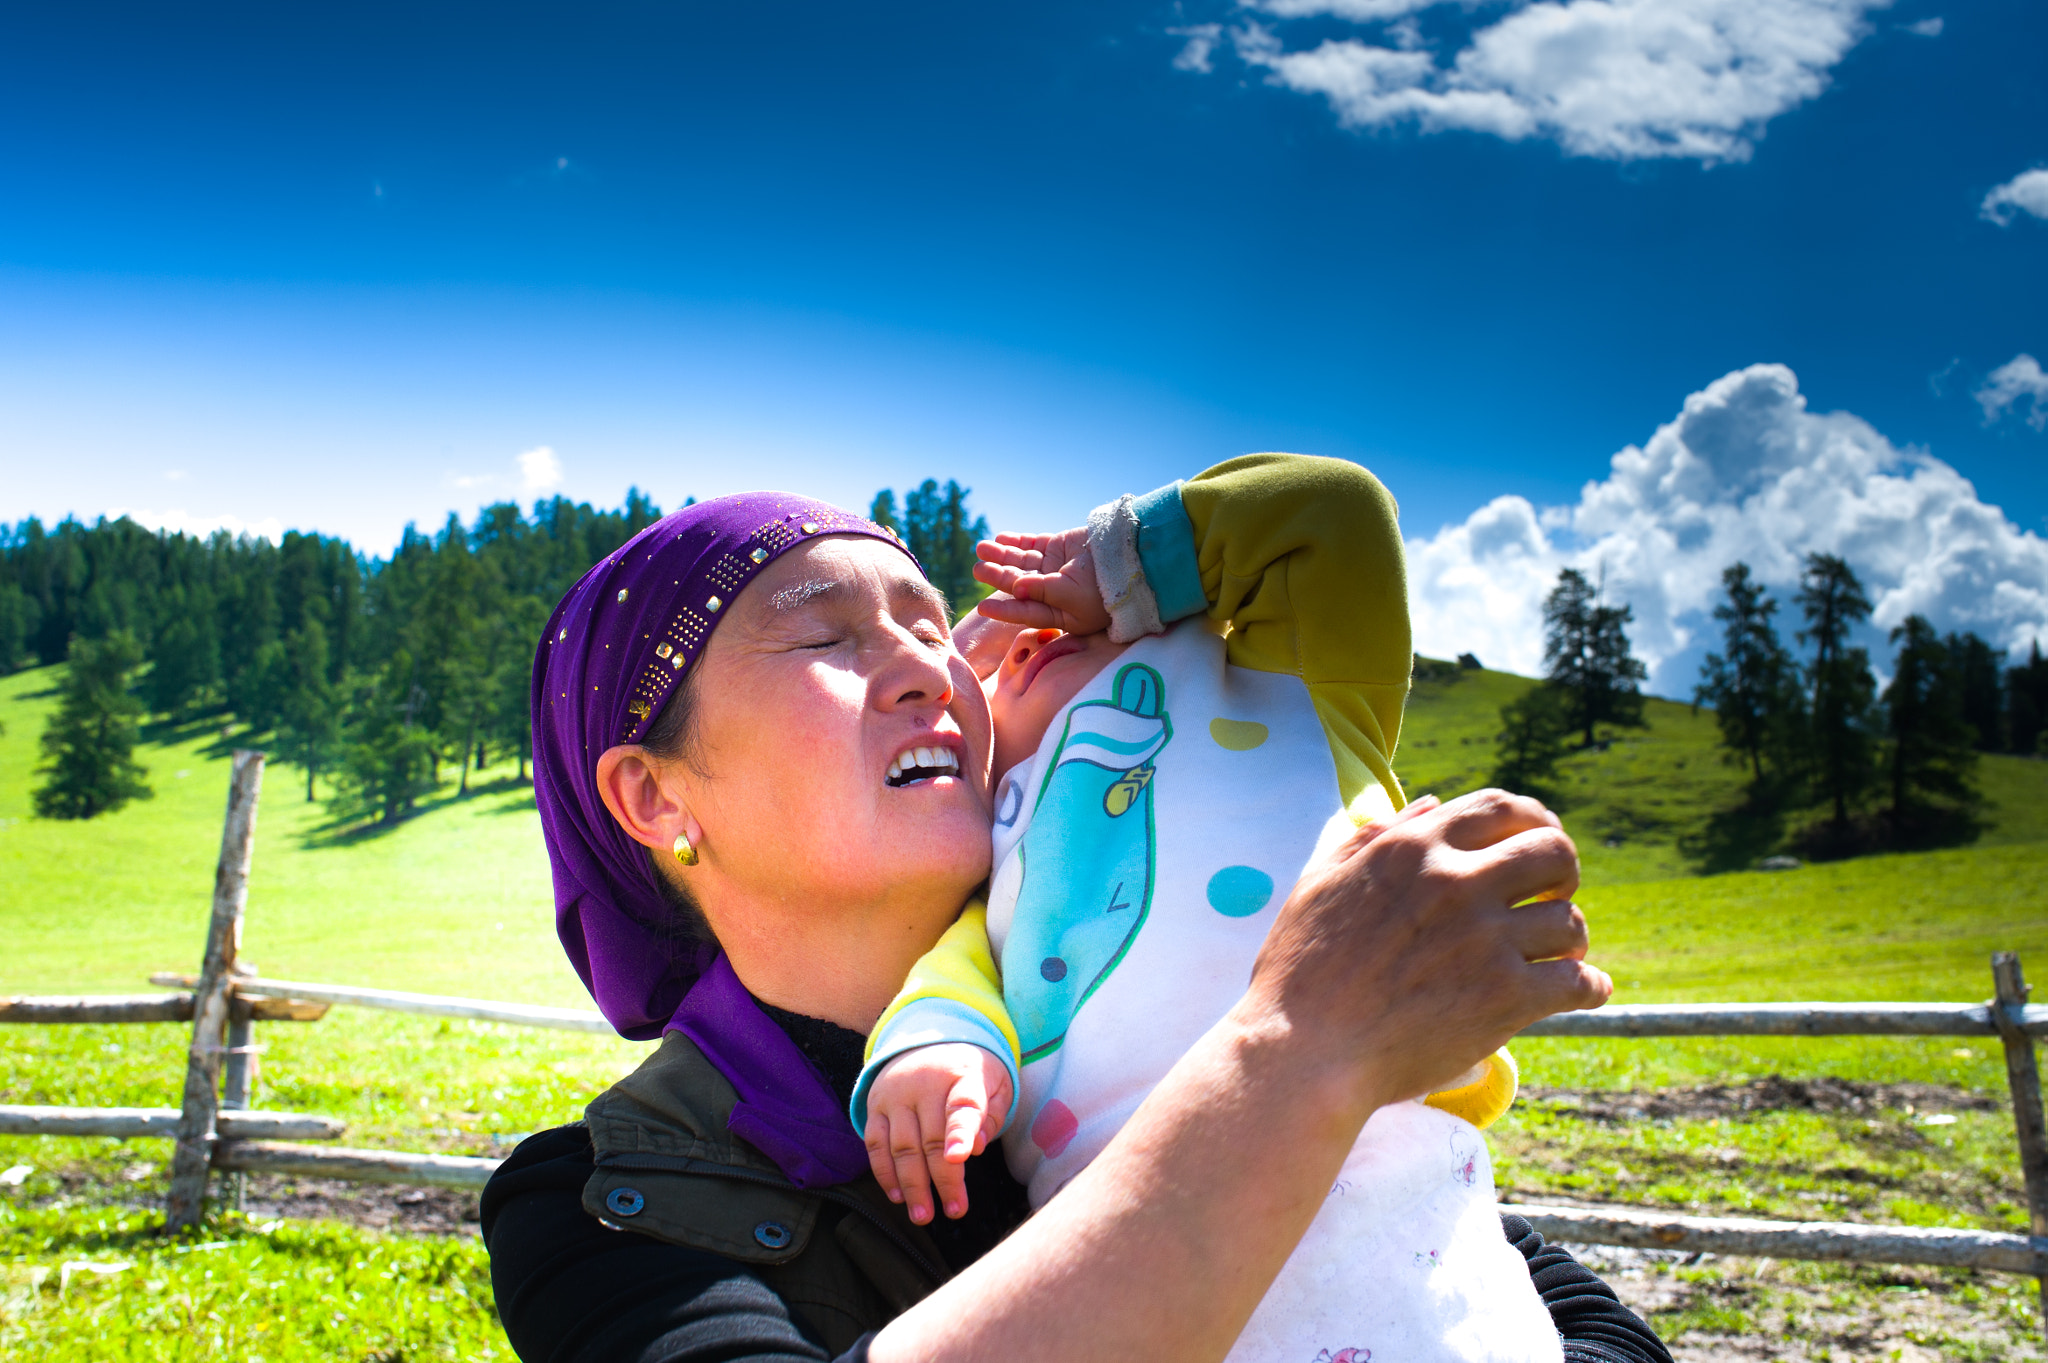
(647, 797)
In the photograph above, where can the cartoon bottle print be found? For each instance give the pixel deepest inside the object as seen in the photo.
(1087, 859)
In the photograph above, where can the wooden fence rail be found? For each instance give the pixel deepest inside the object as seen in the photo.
(106, 1008)
(126, 1123)
(1788, 1019)
(360, 1166)
(434, 1005)
(1641, 1228)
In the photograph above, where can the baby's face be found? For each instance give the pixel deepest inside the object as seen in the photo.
(1043, 670)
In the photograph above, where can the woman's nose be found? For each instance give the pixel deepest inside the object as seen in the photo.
(916, 674)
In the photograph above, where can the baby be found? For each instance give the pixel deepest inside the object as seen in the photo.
(1207, 701)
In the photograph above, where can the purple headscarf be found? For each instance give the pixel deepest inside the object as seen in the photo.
(615, 650)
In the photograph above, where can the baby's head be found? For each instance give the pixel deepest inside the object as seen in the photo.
(1041, 672)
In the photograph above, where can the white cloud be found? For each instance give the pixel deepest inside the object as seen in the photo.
(2019, 377)
(183, 523)
(1201, 44)
(1925, 28)
(1622, 79)
(175, 475)
(2026, 191)
(1744, 472)
(539, 470)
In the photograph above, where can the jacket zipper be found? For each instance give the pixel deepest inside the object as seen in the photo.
(683, 1164)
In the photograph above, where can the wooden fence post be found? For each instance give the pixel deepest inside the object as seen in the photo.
(2024, 1075)
(238, 1077)
(192, 1157)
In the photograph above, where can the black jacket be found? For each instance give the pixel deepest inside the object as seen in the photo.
(649, 1234)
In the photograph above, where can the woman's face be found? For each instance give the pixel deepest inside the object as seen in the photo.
(842, 744)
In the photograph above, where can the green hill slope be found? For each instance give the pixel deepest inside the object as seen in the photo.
(1630, 805)
(456, 901)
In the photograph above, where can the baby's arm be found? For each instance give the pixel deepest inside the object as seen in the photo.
(928, 1111)
(953, 995)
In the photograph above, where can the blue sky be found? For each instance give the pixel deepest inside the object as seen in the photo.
(339, 267)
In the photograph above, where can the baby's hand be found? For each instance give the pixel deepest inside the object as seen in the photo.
(1051, 577)
(983, 640)
(928, 1110)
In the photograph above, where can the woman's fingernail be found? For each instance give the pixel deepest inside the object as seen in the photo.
(895, 1196)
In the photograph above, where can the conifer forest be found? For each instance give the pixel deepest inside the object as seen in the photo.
(372, 676)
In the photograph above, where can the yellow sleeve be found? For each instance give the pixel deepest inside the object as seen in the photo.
(1302, 558)
(1484, 1099)
(961, 968)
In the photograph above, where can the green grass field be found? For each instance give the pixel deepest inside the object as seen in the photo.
(457, 901)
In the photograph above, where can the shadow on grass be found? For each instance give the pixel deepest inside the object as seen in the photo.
(1919, 828)
(168, 730)
(347, 828)
(1736, 838)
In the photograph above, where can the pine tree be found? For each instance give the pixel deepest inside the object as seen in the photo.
(1586, 654)
(1840, 687)
(387, 761)
(1933, 753)
(1980, 673)
(2026, 702)
(1753, 684)
(511, 719)
(1531, 741)
(309, 728)
(942, 532)
(89, 747)
(19, 615)
(185, 657)
(882, 511)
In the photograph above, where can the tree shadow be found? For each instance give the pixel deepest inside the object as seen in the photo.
(1831, 839)
(1924, 828)
(1737, 837)
(169, 730)
(1919, 828)
(349, 828)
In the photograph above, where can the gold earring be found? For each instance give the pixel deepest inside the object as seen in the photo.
(685, 853)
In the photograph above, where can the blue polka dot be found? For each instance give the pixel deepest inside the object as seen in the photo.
(1240, 891)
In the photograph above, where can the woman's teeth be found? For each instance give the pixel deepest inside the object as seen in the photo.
(921, 764)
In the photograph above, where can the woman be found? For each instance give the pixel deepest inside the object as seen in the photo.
(718, 708)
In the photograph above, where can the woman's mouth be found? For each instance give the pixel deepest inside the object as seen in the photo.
(922, 764)
(1058, 648)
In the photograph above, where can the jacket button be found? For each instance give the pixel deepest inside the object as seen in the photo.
(772, 1235)
(625, 1201)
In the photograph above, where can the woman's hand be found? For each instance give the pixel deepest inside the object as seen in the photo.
(1050, 580)
(1424, 942)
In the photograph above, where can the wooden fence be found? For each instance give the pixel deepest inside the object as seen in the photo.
(214, 1128)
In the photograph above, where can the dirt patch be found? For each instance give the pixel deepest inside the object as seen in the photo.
(1773, 1093)
(1710, 1309)
(421, 1211)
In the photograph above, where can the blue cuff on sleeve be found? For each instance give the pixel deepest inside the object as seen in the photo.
(930, 1022)
(1166, 547)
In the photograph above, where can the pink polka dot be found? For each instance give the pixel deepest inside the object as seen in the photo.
(1054, 1128)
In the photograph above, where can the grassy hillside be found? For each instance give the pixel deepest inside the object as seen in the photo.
(1630, 805)
(457, 901)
